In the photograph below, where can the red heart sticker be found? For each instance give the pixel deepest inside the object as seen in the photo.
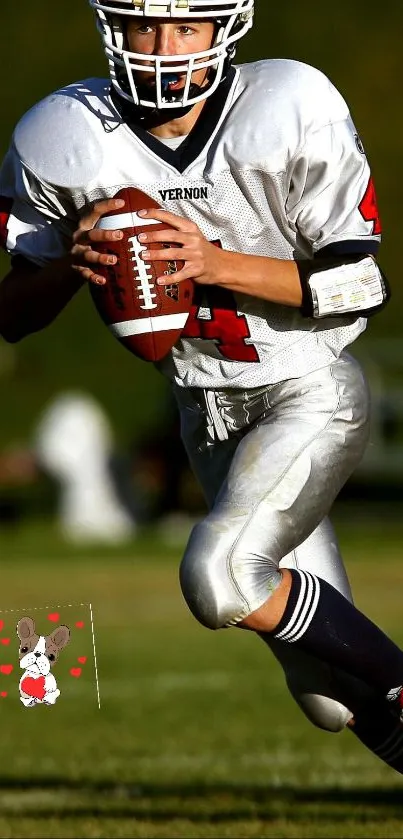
(6, 669)
(4, 641)
(79, 624)
(54, 616)
(75, 671)
(3, 693)
(34, 687)
(1, 625)
(82, 659)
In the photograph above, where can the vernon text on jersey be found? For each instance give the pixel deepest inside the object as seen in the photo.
(191, 193)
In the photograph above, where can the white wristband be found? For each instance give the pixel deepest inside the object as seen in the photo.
(352, 287)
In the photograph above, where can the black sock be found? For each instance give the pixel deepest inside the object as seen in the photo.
(374, 722)
(379, 730)
(321, 621)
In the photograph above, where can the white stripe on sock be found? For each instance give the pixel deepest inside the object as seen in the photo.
(299, 605)
(305, 608)
(312, 609)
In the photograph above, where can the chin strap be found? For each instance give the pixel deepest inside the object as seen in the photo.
(146, 117)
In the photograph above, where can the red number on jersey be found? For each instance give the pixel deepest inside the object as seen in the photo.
(5, 210)
(369, 208)
(224, 325)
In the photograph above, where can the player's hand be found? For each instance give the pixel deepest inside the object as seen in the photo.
(84, 254)
(203, 262)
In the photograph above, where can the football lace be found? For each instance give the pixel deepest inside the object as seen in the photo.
(145, 288)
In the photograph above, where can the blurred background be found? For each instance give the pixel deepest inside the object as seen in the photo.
(46, 45)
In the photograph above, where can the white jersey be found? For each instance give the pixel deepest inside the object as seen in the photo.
(274, 168)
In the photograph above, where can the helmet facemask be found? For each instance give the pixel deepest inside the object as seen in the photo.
(232, 19)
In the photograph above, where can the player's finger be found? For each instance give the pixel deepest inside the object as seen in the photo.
(107, 205)
(86, 238)
(165, 254)
(171, 218)
(177, 236)
(99, 209)
(86, 254)
(185, 273)
(100, 235)
(89, 275)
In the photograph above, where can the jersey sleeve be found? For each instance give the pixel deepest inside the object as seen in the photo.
(36, 220)
(331, 197)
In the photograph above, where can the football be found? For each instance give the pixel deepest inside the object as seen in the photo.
(146, 318)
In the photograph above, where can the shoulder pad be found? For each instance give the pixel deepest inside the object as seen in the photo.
(292, 84)
(59, 139)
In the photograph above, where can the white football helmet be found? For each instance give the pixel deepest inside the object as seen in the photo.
(233, 18)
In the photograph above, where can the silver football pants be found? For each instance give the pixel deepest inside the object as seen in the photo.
(271, 461)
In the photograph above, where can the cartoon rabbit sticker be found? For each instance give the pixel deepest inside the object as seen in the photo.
(38, 653)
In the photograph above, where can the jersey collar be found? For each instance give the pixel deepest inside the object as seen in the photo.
(197, 138)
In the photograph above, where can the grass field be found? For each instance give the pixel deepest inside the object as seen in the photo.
(196, 735)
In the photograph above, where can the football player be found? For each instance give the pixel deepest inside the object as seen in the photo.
(262, 175)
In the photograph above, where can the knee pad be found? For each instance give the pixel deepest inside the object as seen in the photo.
(221, 584)
(207, 588)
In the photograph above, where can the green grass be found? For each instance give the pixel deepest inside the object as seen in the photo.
(196, 735)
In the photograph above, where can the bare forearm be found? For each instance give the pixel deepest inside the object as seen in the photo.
(271, 279)
(31, 299)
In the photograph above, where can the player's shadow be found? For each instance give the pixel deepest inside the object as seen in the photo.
(217, 802)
